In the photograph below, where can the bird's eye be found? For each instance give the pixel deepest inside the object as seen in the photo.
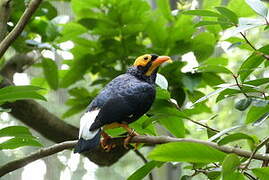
(146, 58)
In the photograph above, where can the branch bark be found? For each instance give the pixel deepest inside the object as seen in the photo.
(4, 17)
(16, 31)
(151, 140)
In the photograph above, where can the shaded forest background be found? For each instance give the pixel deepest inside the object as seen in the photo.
(215, 90)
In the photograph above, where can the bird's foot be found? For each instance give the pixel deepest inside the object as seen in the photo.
(128, 139)
(104, 142)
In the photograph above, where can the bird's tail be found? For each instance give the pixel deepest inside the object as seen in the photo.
(88, 139)
(86, 145)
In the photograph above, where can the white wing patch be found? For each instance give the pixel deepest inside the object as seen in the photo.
(85, 123)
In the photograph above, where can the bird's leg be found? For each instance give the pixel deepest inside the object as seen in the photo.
(131, 133)
(104, 145)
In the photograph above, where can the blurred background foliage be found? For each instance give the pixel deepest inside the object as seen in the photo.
(216, 78)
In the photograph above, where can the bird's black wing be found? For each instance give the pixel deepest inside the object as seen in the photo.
(124, 99)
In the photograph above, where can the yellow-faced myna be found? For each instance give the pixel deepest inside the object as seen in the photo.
(122, 101)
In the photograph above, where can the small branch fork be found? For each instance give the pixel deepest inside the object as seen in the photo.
(16, 31)
(150, 140)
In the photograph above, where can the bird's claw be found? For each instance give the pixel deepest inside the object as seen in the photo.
(128, 139)
(107, 147)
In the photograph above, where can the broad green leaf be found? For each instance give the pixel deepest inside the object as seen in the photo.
(50, 70)
(229, 165)
(19, 142)
(257, 82)
(234, 137)
(228, 14)
(144, 170)
(16, 131)
(258, 7)
(191, 81)
(240, 8)
(186, 152)
(161, 81)
(257, 114)
(260, 121)
(249, 65)
(77, 70)
(243, 104)
(201, 12)
(211, 94)
(164, 6)
(13, 93)
(262, 173)
(225, 131)
(214, 68)
(206, 23)
(173, 123)
(162, 94)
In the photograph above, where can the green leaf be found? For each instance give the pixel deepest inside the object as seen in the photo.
(164, 6)
(13, 93)
(16, 131)
(19, 142)
(228, 14)
(173, 123)
(77, 70)
(191, 81)
(229, 165)
(186, 152)
(211, 94)
(214, 68)
(144, 170)
(162, 94)
(201, 12)
(257, 114)
(258, 7)
(225, 131)
(249, 65)
(257, 82)
(243, 28)
(234, 137)
(262, 173)
(206, 23)
(243, 104)
(240, 8)
(50, 70)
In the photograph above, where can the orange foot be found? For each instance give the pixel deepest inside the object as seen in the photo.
(131, 133)
(104, 145)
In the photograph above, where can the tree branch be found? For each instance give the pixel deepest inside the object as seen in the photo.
(16, 31)
(152, 140)
(4, 17)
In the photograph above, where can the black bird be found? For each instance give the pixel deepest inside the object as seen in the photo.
(122, 101)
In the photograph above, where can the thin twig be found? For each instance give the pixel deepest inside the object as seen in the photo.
(259, 146)
(203, 125)
(16, 31)
(239, 86)
(252, 46)
(139, 154)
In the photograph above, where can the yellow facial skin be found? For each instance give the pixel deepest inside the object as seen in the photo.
(145, 59)
(142, 60)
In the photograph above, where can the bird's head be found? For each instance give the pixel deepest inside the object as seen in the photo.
(148, 63)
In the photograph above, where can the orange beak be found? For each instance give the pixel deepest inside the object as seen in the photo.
(162, 59)
(157, 62)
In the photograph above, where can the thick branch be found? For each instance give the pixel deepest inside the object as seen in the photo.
(16, 31)
(152, 140)
(4, 17)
